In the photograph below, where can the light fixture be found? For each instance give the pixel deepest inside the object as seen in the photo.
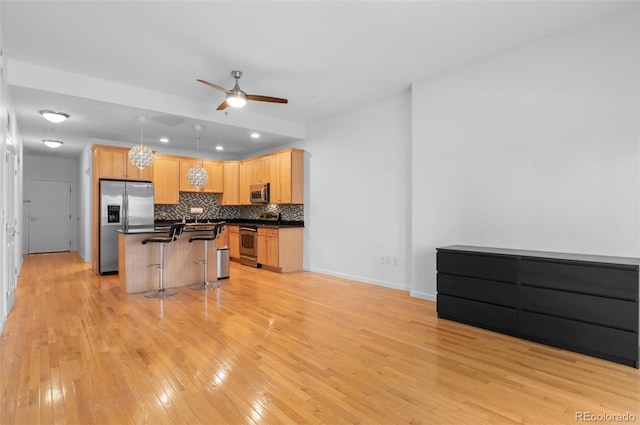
(52, 143)
(141, 156)
(255, 135)
(164, 140)
(219, 148)
(197, 176)
(53, 116)
(236, 98)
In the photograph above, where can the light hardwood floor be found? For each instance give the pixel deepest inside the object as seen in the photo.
(280, 349)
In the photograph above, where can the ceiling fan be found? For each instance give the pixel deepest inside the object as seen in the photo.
(236, 97)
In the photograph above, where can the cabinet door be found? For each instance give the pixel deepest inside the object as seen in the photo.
(275, 195)
(112, 162)
(185, 165)
(134, 173)
(165, 180)
(234, 242)
(245, 182)
(223, 238)
(215, 170)
(231, 184)
(272, 251)
(262, 247)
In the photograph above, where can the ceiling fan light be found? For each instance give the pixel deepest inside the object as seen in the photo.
(236, 98)
(54, 116)
(52, 143)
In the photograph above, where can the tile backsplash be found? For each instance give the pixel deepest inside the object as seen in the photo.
(211, 210)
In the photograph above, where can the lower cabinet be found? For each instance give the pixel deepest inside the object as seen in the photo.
(234, 241)
(280, 249)
(582, 303)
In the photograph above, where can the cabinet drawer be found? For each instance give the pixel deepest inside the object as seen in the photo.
(587, 308)
(579, 336)
(587, 279)
(477, 313)
(477, 289)
(490, 267)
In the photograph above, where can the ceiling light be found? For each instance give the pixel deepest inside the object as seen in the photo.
(52, 143)
(164, 140)
(219, 148)
(141, 156)
(236, 98)
(54, 116)
(255, 135)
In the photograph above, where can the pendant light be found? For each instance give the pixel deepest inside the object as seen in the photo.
(197, 175)
(141, 156)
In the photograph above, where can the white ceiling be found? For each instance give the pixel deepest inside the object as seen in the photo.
(106, 62)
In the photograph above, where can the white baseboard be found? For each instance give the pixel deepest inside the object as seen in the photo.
(386, 284)
(423, 295)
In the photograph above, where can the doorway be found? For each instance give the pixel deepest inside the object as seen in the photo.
(48, 216)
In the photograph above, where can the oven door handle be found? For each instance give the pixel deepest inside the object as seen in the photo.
(250, 229)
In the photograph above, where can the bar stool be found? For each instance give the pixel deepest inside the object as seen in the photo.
(174, 232)
(206, 239)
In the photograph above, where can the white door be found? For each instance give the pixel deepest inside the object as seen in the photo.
(11, 226)
(49, 216)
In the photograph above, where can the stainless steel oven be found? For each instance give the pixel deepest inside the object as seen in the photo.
(249, 245)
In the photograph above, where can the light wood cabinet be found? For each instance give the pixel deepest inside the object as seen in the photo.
(111, 162)
(231, 184)
(166, 172)
(234, 241)
(260, 170)
(268, 247)
(245, 182)
(280, 249)
(215, 172)
(223, 237)
(287, 177)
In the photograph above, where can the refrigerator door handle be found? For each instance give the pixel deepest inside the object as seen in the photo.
(125, 208)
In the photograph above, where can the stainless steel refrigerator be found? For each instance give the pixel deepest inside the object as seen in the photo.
(124, 206)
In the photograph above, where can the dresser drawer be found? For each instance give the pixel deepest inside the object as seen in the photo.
(587, 279)
(480, 266)
(477, 313)
(477, 289)
(619, 314)
(579, 336)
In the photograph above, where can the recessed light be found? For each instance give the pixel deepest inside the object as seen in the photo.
(52, 143)
(164, 140)
(255, 135)
(219, 148)
(53, 116)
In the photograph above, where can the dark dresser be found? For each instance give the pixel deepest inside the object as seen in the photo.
(583, 303)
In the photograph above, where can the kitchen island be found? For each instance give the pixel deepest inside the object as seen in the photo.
(180, 257)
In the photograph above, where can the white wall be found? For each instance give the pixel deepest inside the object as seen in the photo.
(53, 168)
(357, 209)
(535, 149)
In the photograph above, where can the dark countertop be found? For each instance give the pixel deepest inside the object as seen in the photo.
(236, 222)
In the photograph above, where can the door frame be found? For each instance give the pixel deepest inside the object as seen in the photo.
(27, 226)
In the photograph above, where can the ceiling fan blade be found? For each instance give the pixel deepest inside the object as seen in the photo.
(222, 106)
(266, 98)
(215, 86)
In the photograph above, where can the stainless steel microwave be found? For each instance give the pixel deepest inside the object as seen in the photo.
(260, 193)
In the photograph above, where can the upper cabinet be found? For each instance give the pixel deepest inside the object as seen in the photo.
(166, 170)
(112, 162)
(286, 179)
(215, 170)
(283, 170)
(215, 173)
(231, 184)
